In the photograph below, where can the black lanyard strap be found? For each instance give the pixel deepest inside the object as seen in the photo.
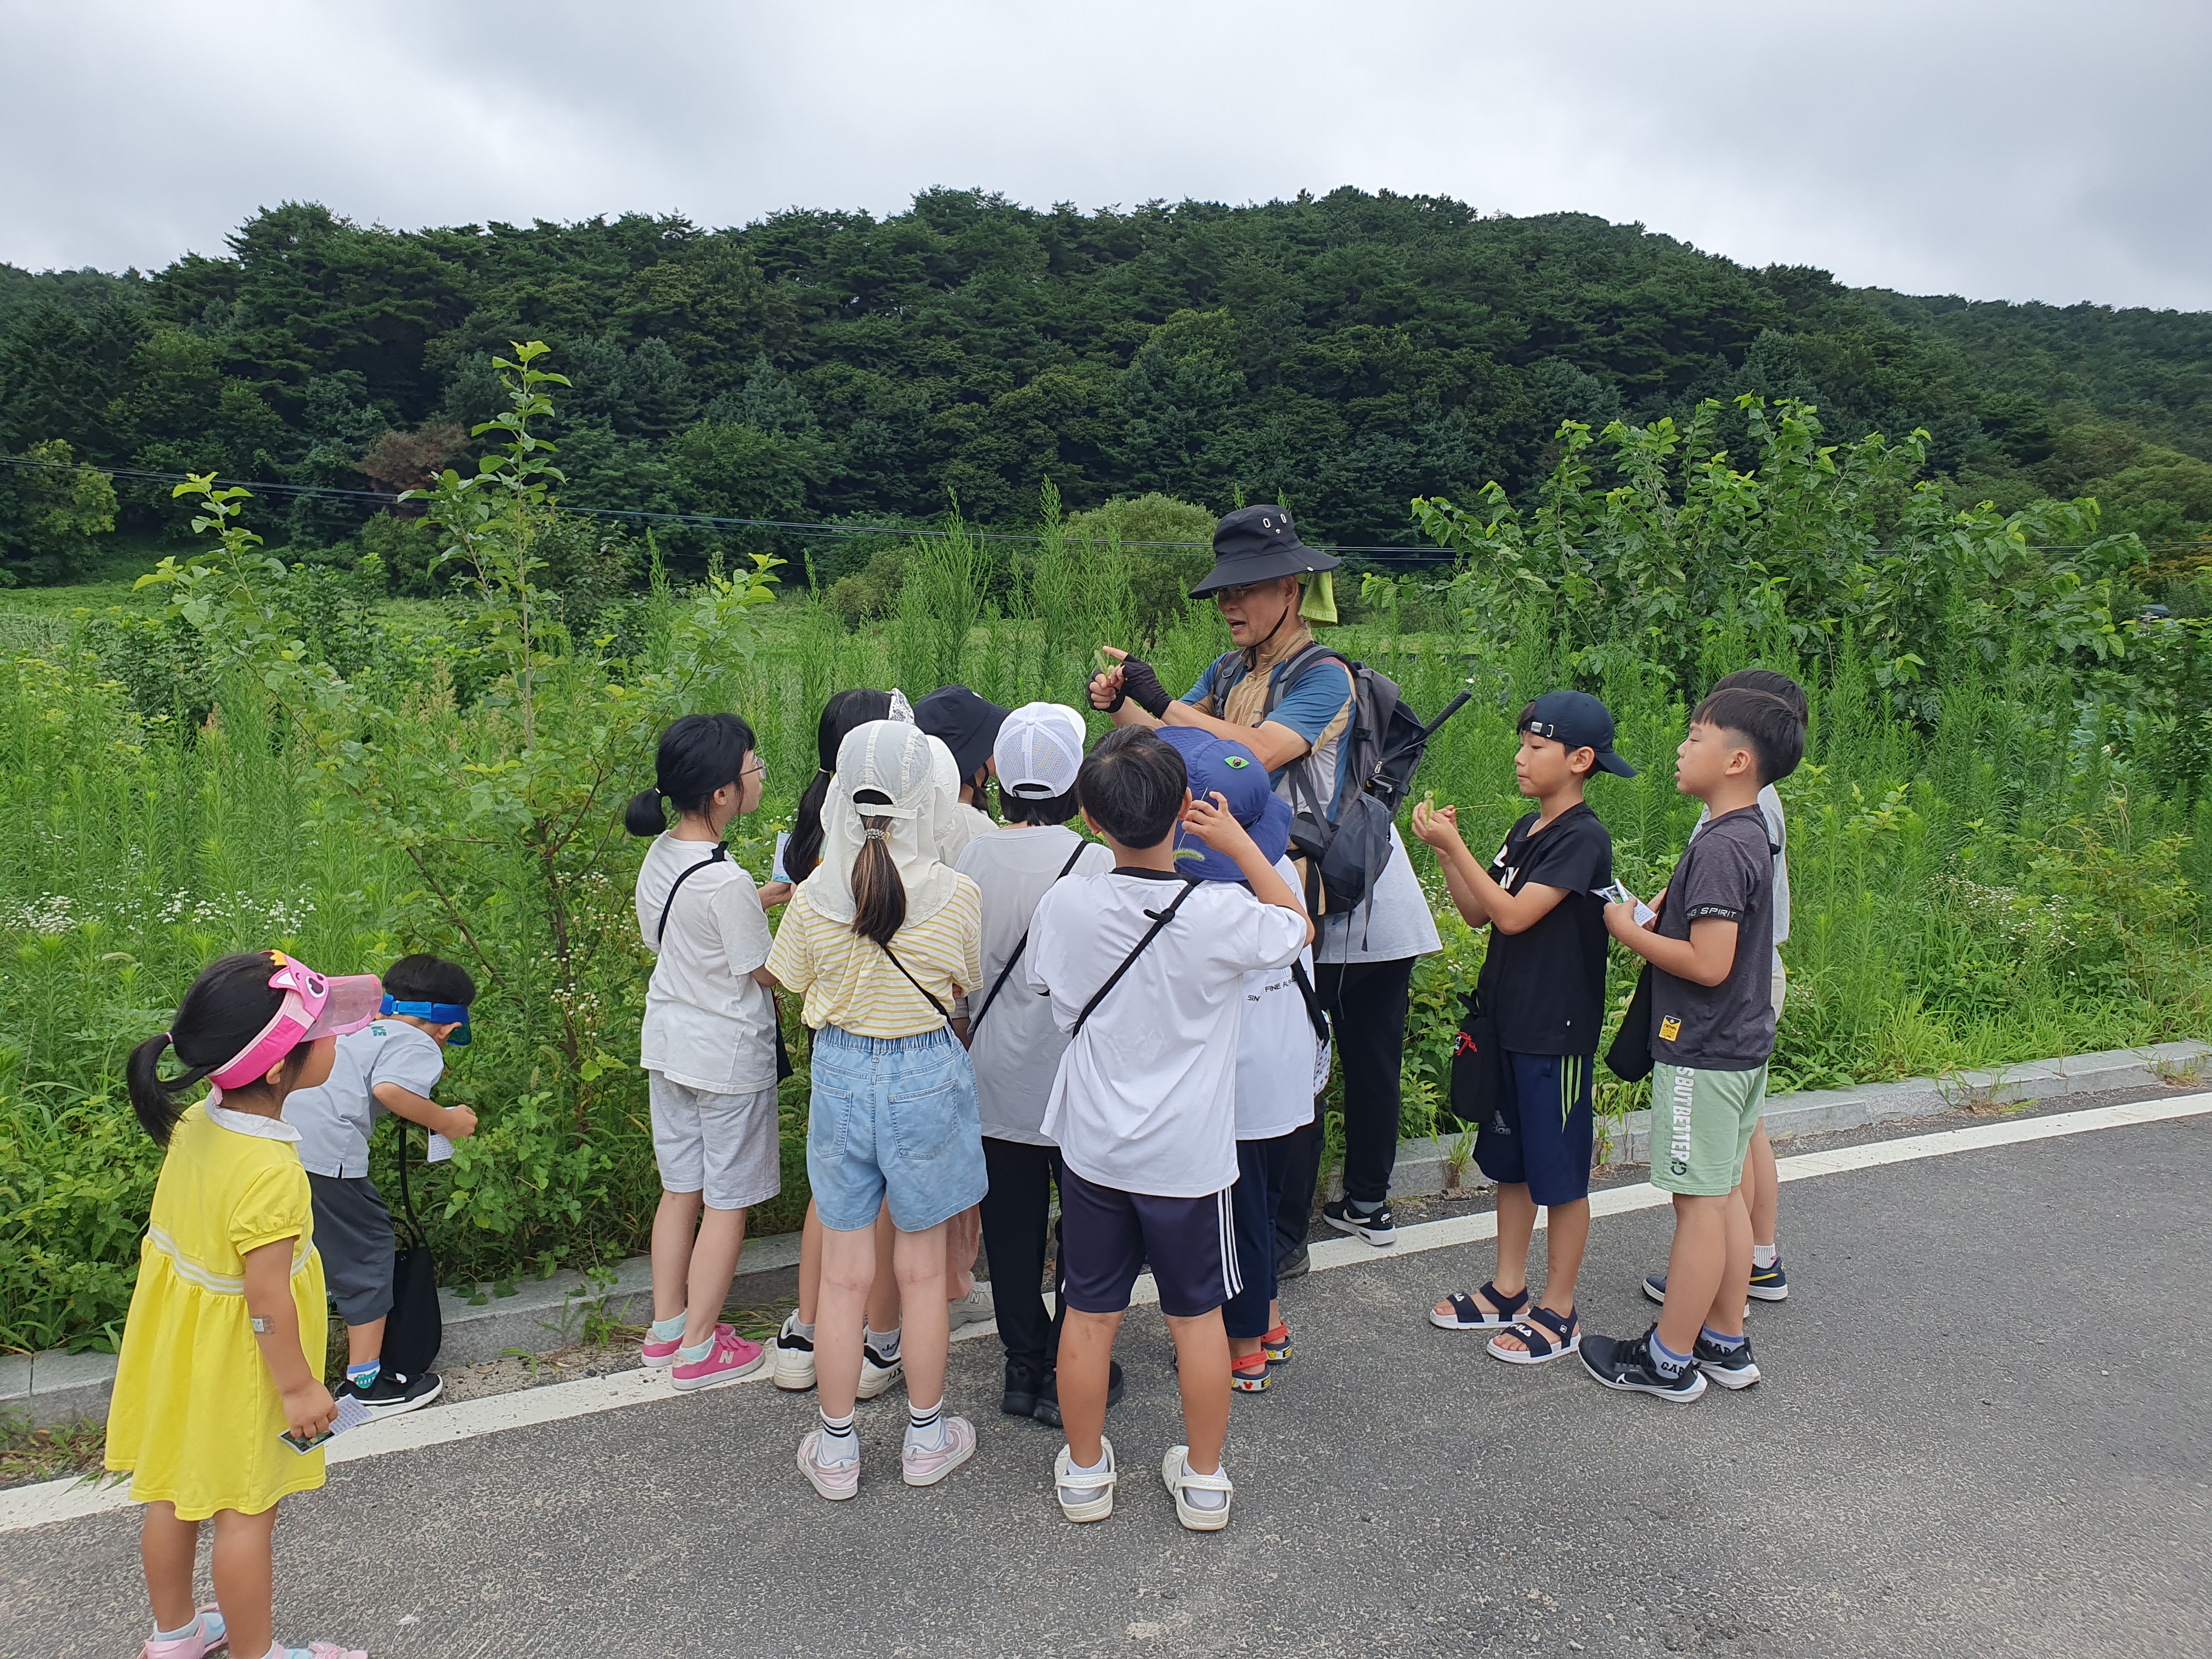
(1022, 945)
(942, 1012)
(720, 852)
(1160, 919)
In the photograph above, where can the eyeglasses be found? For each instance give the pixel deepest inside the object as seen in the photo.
(759, 767)
(1235, 595)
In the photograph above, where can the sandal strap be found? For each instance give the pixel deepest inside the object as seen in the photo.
(1066, 1480)
(1507, 1306)
(1215, 1482)
(1561, 1325)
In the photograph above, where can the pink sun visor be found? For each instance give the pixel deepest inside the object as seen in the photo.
(314, 1006)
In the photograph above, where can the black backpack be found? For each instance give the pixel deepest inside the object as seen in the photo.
(1346, 846)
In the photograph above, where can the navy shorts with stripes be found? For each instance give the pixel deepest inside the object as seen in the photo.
(1108, 1236)
(1540, 1132)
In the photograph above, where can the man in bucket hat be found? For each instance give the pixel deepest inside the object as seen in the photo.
(1289, 704)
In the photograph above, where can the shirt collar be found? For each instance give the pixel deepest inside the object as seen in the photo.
(250, 1123)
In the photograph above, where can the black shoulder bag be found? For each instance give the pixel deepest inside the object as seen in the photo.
(1022, 945)
(1160, 919)
(783, 1067)
(415, 1330)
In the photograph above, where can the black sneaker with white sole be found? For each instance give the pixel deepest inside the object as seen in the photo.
(1375, 1225)
(1732, 1367)
(1626, 1367)
(1046, 1409)
(394, 1393)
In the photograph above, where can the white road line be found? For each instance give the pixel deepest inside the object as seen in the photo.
(52, 1501)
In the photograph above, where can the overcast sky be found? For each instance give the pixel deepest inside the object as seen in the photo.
(2023, 150)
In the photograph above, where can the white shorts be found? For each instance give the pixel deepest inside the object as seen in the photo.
(722, 1145)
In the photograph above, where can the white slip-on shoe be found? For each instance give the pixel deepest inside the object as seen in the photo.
(1179, 1478)
(1100, 1503)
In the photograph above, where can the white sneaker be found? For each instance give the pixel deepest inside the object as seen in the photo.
(794, 1358)
(1099, 1504)
(1179, 1478)
(975, 1308)
(877, 1374)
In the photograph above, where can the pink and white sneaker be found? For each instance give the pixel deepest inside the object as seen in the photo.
(206, 1636)
(926, 1468)
(835, 1482)
(731, 1360)
(659, 1356)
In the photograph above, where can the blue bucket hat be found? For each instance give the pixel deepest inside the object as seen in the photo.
(1217, 767)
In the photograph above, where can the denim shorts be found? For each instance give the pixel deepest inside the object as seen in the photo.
(893, 1117)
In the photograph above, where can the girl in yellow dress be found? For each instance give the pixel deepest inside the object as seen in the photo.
(223, 1350)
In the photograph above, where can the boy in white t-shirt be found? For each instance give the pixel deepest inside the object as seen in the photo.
(1146, 971)
(1013, 1042)
(1280, 1045)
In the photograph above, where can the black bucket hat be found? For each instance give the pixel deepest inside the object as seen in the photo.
(1257, 544)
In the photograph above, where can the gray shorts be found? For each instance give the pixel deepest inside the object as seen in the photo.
(354, 1236)
(722, 1145)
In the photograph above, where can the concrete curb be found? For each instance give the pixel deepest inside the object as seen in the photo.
(1425, 1164)
(545, 1314)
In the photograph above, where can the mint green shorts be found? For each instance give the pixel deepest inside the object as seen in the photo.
(1702, 1123)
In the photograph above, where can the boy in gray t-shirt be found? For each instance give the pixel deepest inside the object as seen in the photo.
(391, 1065)
(1762, 1183)
(1712, 1032)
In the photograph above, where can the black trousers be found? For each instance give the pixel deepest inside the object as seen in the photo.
(1015, 1212)
(1367, 1003)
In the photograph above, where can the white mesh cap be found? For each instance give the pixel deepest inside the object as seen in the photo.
(1039, 750)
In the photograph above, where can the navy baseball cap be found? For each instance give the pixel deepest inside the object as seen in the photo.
(1578, 720)
(1217, 767)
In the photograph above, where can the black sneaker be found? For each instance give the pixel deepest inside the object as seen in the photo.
(1627, 1367)
(1375, 1225)
(1655, 1287)
(1732, 1368)
(1047, 1402)
(1025, 1388)
(1297, 1265)
(394, 1393)
(1769, 1283)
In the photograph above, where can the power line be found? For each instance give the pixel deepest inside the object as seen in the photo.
(702, 521)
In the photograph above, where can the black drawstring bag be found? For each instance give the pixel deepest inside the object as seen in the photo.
(415, 1330)
(1476, 1067)
(1630, 1057)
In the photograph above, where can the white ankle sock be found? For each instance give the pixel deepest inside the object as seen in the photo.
(1197, 1497)
(177, 1635)
(1765, 1255)
(838, 1444)
(1078, 1492)
(885, 1343)
(925, 1429)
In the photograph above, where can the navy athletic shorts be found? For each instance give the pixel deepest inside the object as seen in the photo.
(1540, 1132)
(1108, 1236)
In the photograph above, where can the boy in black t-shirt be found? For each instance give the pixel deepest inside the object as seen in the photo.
(1542, 988)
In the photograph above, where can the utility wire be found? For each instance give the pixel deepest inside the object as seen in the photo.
(320, 492)
(324, 492)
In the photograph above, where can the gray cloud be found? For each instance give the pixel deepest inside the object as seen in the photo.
(2018, 150)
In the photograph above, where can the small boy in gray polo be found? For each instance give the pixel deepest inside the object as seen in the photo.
(392, 1066)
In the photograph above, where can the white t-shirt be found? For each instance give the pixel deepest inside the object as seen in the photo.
(1144, 1098)
(1018, 1047)
(707, 1024)
(1277, 1051)
(1393, 922)
(1770, 808)
(336, 1121)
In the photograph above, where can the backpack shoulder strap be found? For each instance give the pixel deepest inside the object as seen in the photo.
(1160, 919)
(720, 852)
(1020, 945)
(1285, 674)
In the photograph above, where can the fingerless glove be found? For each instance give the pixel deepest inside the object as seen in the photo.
(1143, 686)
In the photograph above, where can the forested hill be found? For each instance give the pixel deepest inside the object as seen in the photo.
(1343, 353)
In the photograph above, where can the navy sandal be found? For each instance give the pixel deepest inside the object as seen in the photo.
(1559, 1337)
(1466, 1316)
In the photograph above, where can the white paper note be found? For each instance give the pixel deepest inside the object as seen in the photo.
(440, 1149)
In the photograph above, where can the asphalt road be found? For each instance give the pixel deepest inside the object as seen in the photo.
(1986, 1428)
